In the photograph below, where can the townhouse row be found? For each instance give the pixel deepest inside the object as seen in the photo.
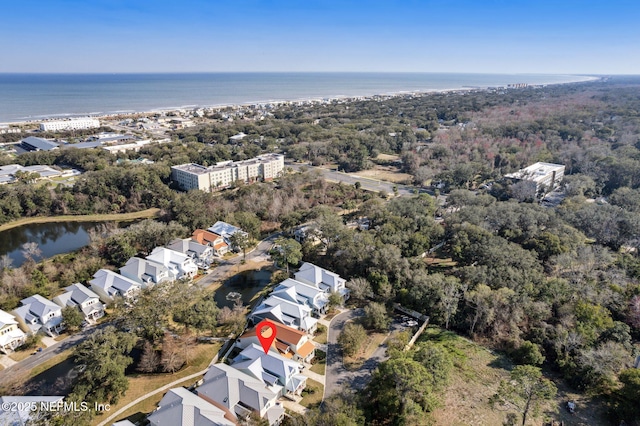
(255, 381)
(180, 259)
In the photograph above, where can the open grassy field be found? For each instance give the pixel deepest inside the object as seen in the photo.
(144, 214)
(386, 173)
(475, 378)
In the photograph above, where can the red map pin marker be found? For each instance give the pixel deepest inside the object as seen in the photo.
(266, 333)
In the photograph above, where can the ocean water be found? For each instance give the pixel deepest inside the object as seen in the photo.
(25, 97)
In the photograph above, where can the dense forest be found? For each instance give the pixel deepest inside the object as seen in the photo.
(557, 288)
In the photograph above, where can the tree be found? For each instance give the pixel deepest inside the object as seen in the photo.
(149, 360)
(401, 392)
(240, 240)
(375, 317)
(630, 393)
(360, 288)
(450, 294)
(72, 318)
(524, 391)
(172, 357)
(202, 315)
(335, 299)
(287, 251)
(103, 381)
(351, 338)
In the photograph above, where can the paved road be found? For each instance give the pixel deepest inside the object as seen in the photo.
(336, 375)
(23, 367)
(367, 183)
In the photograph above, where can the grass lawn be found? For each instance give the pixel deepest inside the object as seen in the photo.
(61, 337)
(141, 384)
(321, 337)
(475, 378)
(50, 363)
(20, 355)
(313, 399)
(82, 218)
(385, 173)
(319, 366)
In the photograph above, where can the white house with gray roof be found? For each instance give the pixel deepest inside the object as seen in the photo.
(83, 299)
(307, 294)
(285, 311)
(272, 368)
(241, 394)
(192, 248)
(108, 285)
(179, 407)
(145, 272)
(178, 264)
(322, 279)
(39, 314)
(10, 334)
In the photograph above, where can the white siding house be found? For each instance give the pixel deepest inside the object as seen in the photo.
(38, 313)
(10, 334)
(108, 285)
(82, 298)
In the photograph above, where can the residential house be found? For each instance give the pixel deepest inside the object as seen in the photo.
(225, 230)
(241, 394)
(308, 232)
(38, 313)
(85, 300)
(215, 241)
(191, 248)
(289, 342)
(322, 279)
(297, 291)
(272, 368)
(180, 265)
(146, 272)
(286, 312)
(179, 407)
(10, 334)
(108, 286)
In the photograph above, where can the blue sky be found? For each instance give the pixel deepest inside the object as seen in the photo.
(492, 36)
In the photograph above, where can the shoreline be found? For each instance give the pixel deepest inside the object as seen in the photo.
(109, 115)
(108, 217)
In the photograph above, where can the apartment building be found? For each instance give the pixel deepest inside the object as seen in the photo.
(72, 124)
(223, 174)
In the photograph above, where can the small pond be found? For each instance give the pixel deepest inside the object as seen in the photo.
(243, 286)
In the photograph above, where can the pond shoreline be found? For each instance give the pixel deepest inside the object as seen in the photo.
(114, 217)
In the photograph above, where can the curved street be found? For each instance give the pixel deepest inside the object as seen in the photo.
(336, 375)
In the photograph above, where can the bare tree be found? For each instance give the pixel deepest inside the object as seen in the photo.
(150, 360)
(172, 358)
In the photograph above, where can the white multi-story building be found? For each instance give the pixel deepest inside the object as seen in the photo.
(223, 174)
(547, 175)
(72, 124)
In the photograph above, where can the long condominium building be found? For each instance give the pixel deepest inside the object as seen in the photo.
(223, 174)
(72, 124)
